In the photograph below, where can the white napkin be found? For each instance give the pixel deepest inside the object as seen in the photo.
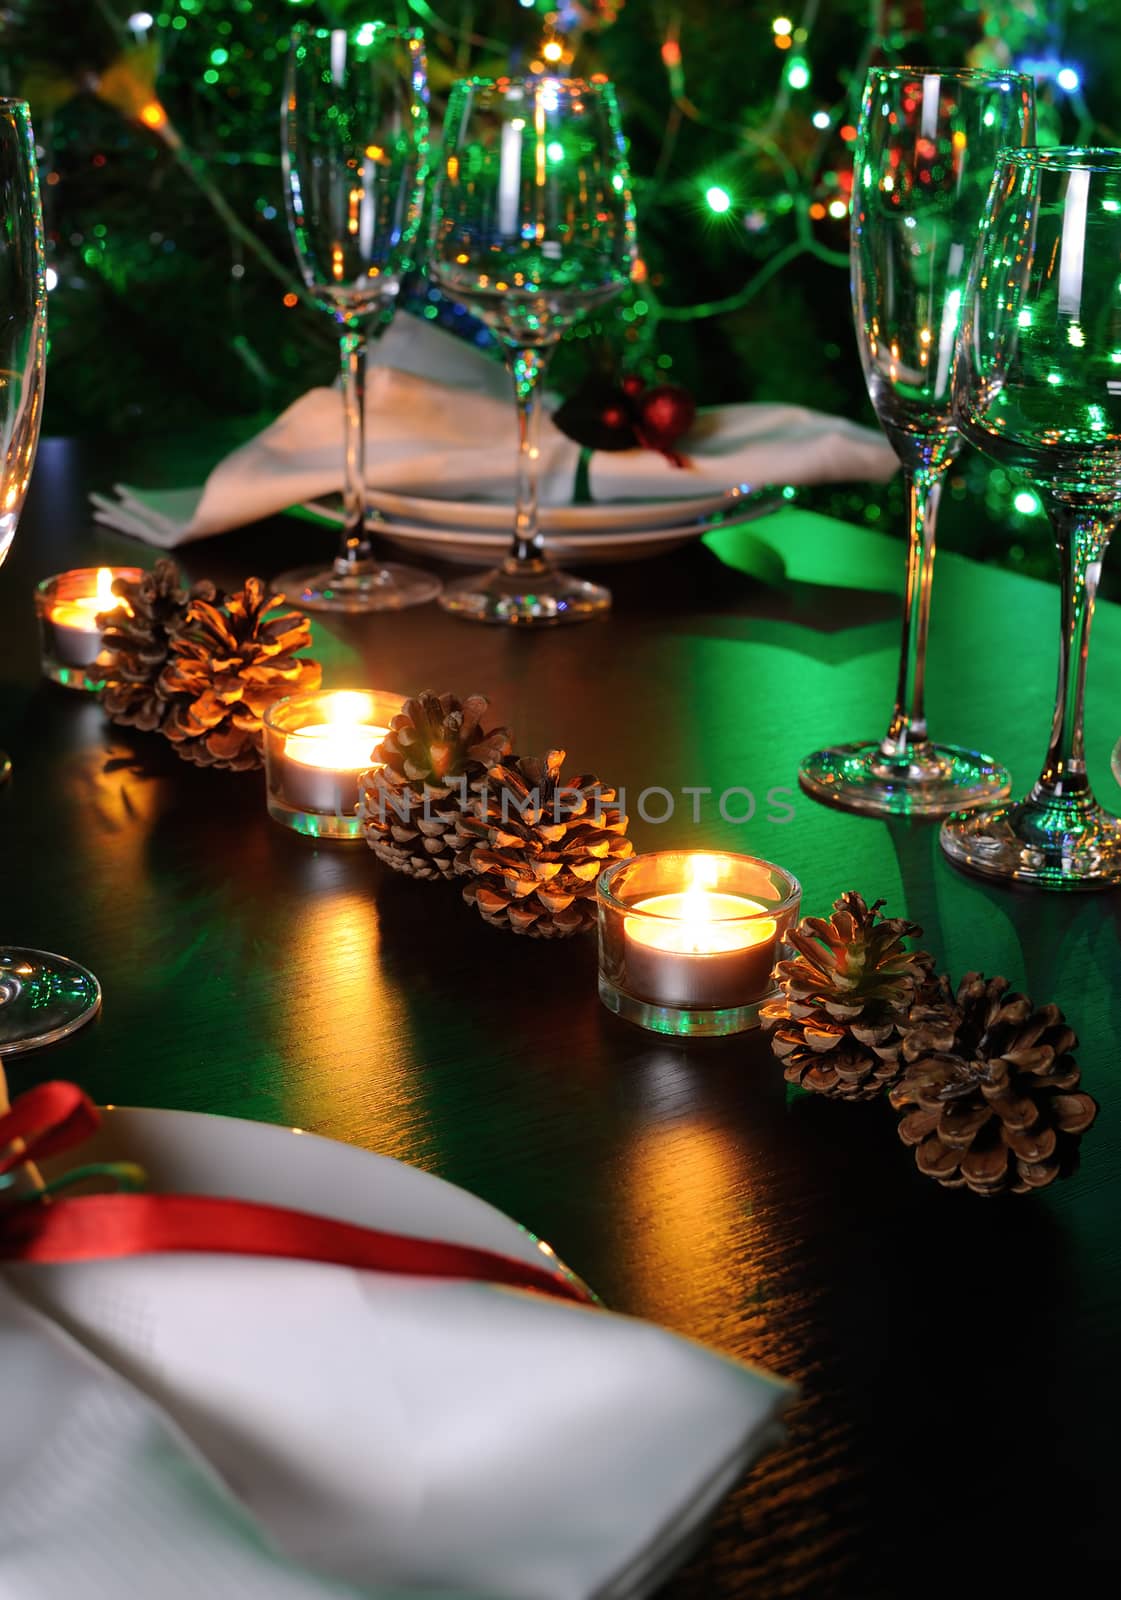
(103, 1498)
(388, 1432)
(453, 436)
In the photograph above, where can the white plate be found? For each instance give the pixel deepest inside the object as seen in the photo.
(593, 547)
(495, 517)
(485, 549)
(192, 1152)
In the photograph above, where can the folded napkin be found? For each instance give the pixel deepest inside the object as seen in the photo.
(384, 1430)
(103, 1498)
(440, 423)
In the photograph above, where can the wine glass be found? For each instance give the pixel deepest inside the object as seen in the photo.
(926, 147)
(42, 997)
(354, 149)
(532, 228)
(1038, 388)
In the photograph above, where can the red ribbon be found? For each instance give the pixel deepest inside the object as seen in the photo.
(101, 1227)
(52, 1117)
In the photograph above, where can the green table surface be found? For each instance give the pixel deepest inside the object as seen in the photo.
(958, 1357)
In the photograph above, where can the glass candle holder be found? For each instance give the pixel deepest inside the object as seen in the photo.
(316, 747)
(688, 939)
(67, 606)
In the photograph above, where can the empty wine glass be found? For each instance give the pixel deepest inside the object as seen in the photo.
(532, 228)
(1038, 388)
(42, 997)
(926, 147)
(354, 149)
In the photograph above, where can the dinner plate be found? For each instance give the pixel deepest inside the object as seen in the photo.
(496, 517)
(193, 1152)
(590, 547)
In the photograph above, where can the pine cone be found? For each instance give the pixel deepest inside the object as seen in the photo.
(228, 664)
(536, 846)
(990, 1089)
(412, 807)
(139, 643)
(837, 1027)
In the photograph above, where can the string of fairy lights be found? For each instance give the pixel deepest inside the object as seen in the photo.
(771, 185)
(811, 202)
(800, 210)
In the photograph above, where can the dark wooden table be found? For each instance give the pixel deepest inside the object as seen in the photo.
(958, 1431)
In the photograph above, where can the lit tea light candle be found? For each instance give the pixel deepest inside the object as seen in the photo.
(68, 607)
(326, 759)
(700, 949)
(77, 635)
(688, 940)
(316, 748)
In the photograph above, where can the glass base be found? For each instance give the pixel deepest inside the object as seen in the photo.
(931, 783)
(384, 586)
(86, 680)
(314, 824)
(1072, 845)
(43, 997)
(684, 1024)
(536, 600)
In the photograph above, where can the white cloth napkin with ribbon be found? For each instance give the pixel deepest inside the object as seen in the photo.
(440, 423)
(382, 1432)
(387, 1431)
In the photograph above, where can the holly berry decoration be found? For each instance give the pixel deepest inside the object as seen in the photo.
(663, 415)
(603, 415)
(598, 416)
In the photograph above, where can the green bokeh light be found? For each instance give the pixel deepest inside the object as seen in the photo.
(718, 199)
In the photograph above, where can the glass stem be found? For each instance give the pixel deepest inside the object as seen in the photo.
(907, 730)
(355, 553)
(1082, 533)
(527, 552)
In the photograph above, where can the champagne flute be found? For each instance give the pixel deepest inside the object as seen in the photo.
(42, 997)
(354, 149)
(926, 147)
(1038, 388)
(532, 228)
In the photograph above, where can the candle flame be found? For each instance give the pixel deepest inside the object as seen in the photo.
(696, 906)
(106, 599)
(347, 706)
(345, 740)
